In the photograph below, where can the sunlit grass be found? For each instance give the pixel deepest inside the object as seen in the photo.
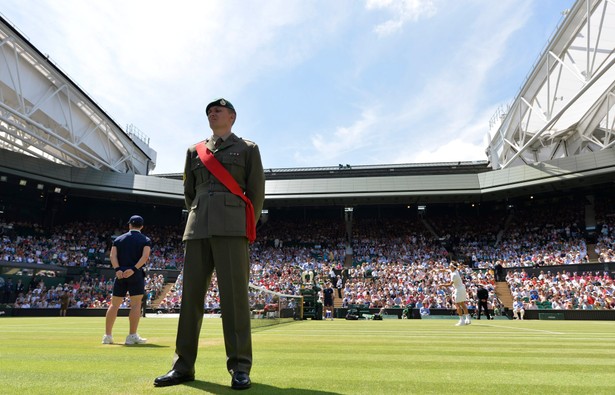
(65, 356)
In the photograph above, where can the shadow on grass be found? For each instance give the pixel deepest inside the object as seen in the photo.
(256, 388)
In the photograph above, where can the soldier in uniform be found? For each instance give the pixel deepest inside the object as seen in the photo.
(217, 239)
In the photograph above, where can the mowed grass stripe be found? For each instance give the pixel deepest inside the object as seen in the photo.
(64, 356)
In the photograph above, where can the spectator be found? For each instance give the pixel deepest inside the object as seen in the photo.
(518, 309)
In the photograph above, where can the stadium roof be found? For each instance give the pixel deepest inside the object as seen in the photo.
(470, 167)
(565, 107)
(474, 184)
(44, 114)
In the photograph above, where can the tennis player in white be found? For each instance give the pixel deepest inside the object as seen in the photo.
(460, 295)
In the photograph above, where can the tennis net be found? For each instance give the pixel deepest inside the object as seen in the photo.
(272, 308)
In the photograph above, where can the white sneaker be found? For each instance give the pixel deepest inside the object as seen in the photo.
(135, 339)
(107, 339)
(460, 323)
(468, 322)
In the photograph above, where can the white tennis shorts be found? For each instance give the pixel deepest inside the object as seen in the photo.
(461, 295)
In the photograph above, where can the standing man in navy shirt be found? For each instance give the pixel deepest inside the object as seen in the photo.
(129, 254)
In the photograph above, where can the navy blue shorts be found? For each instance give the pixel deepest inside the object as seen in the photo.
(134, 285)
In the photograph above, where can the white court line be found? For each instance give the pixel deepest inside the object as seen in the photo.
(524, 329)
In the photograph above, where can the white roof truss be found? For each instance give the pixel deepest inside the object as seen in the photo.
(565, 107)
(45, 114)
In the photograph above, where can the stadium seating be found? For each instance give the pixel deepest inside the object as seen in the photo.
(392, 264)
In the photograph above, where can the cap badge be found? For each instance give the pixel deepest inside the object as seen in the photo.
(222, 102)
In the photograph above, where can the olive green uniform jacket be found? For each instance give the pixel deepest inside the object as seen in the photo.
(212, 209)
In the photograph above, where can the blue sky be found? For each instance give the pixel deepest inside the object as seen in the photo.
(315, 82)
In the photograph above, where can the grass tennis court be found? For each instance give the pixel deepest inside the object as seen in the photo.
(64, 356)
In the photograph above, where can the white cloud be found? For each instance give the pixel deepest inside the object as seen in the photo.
(403, 11)
(443, 119)
(448, 116)
(463, 140)
(343, 141)
(452, 151)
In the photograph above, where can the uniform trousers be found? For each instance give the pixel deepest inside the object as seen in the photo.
(482, 305)
(229, 256)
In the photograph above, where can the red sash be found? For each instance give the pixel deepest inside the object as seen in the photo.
(216, 168)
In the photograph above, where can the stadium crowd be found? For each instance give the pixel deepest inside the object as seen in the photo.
(569, 291)
(85, 292)
(393, 258)
(82, 244)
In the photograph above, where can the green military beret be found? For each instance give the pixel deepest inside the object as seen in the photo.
(221, 103)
